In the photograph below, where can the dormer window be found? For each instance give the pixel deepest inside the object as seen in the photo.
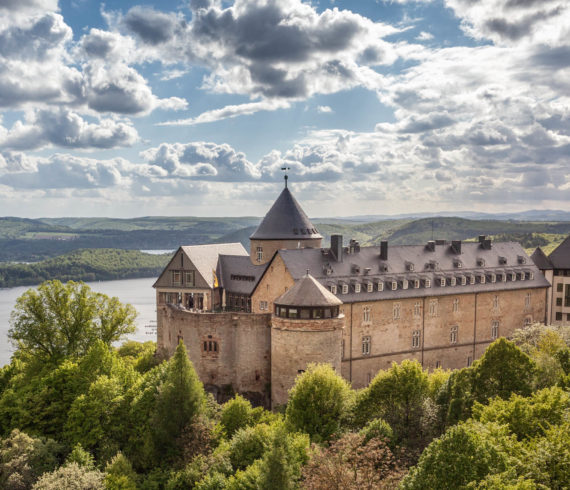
(409, 266)
(504, 277)
(259, 254)
(416, 283)
(357, 287)
(442, 281)
(333, 288)
(521, 259)
(471, 279)
(493, 278)
(463, 280)
(369, 287)
(480, 262)
(457, 264)
(345, 289)
(427, 283)
(452, 281)
(404, 284)
(531, 275)
(394, 285)
(523, 276)
(380, 286)
(513, 276)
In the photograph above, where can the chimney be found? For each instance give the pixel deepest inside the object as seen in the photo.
(383, 250)
(482, 238)
(430, 247)
(456, 246)
(336, 247)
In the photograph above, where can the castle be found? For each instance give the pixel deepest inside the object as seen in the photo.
(252, 322)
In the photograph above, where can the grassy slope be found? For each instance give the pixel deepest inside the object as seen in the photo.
(85, 265)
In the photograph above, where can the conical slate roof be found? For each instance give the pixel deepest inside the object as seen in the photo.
(541, 260)
(285, 221)
(307, 291)
(560, 256)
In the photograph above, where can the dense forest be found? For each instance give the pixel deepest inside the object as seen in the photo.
(77, 412)
(84, 265)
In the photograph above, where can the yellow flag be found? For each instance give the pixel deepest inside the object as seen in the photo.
(215, 278)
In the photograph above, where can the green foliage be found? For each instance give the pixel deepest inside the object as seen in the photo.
(396, 395)
(119, 474)
(319, 402)
(249, 444)
(142, 355)
(247, 479)
(280, 468)
(71, 476)
(81, 457)
(180, 398)
(467, 452)
(59, 321)
(236, 414)
(377, 429)
(526, 417)
(23, 459)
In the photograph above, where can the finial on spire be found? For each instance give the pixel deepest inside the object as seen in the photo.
(308, 270)
(286, 176)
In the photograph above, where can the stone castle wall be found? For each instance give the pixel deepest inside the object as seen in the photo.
(241, 360)
(297, 343)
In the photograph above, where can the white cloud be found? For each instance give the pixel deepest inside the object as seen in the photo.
(324, 109)
(424, 36)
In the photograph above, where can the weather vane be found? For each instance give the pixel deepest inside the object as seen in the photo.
(286, 176)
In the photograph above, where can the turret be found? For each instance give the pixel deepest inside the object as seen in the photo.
(285, 226)
(306, 327)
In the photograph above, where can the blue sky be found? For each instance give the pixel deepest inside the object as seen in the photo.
(192, 107)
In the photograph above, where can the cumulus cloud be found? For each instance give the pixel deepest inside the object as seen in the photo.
(66, 129)
(324, 109)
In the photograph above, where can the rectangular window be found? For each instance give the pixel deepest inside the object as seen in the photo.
(417, 309)
(428, 283)
(442, 281)
(176, 278)
(333, 288)
(452, 281)
(513, 276)
(527, 300)
(493, 278)
(438, 364)
(504, 277)
(396, 311)
(366, 314)
(471, 279)
(433, 307)
(368, 378)
(463, 280)
(263, 305)
(366, 346)
(495, 330)
(531, 275)
(416, 339)
(416, 283)
(345, 289)
(404, 284)
(357, 288)
(559, 287)
(496, 302)
(380, 286)
(567, 295)
(558, 316)
(342, 349)
(527, 321)
(189, 278)
(453, 334)
(469, 361)
(394, 285)
(259, 254)
(455, 305)
(482, 279)
(558, 301)
(370, 287)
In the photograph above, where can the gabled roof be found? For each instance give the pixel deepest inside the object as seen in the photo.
(307, 291)
(238, 275)
(285, 221)
(205, 258)
(366, 266)
(560, 256)
(541, 260)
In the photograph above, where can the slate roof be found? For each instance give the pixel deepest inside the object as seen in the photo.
(285, 221)
(238, 275)
(541, 260)
(205, 257)
(560, 256)
(364, 266)
(307, 291)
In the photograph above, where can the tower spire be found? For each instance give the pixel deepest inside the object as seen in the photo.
(285, 176)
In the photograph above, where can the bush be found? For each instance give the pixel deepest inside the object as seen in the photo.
(71, 476)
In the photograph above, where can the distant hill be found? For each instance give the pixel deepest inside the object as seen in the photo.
(85, 265)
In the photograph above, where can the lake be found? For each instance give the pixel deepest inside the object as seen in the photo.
(137, 292)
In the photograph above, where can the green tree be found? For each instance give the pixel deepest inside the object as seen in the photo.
(397, 395)
(236, 414)
(249, 444)
(319, 402)
(81, 457)
(63, 320)
(467, 452)
(71, 476)
(119, 474)
(180, 398)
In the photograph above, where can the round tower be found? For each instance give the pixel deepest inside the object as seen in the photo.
(284, 226)
(306, 327)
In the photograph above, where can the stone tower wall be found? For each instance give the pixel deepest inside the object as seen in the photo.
(271, 246)
(297, 343)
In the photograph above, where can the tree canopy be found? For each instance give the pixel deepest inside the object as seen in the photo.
(63, 320)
